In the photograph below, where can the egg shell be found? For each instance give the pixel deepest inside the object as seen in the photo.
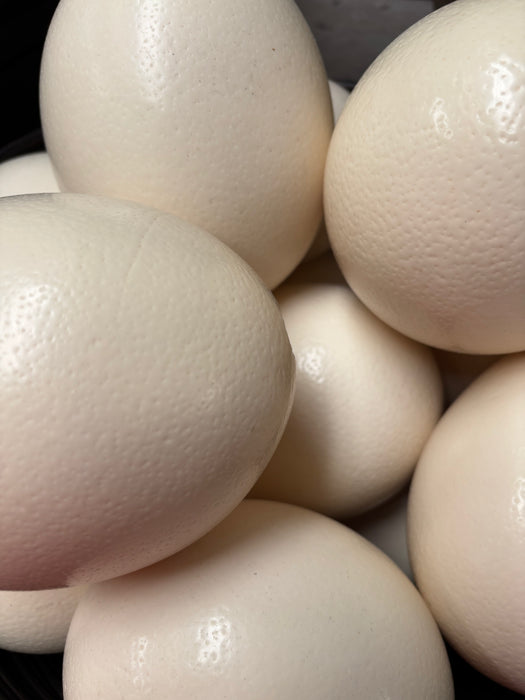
(29, 174)
(218, 111)
(146, 377)
(425, 180)
(276, 602)
(37, 622)
(466, 523)
(366, 400)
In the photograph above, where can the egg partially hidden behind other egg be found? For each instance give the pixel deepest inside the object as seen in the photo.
(366, 400)
(275, 602)
(37, 622)
(218, 112)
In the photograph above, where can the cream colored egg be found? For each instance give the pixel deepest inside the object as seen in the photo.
(386, 527)
(216, 111)
(37, 622)
(466, 523)
(32, 173)
(351, 33)
(366, 401)
(425, 180)
(276, 602)
(145, 380)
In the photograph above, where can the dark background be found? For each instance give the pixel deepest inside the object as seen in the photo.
(22, 32)
(23, 28)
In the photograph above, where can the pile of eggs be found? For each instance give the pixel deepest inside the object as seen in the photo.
(234, 337)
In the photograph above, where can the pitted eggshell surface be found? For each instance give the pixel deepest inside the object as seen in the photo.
(275, 602)
(466, 523)
(425, 180)
(366, 400)
(145, 376)
(37, 622)
(218, 111)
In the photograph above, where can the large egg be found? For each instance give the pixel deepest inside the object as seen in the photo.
(276, 602)
(425, 180)
(145, 379)
(366, 400)
(466, 523)
(216, 111)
